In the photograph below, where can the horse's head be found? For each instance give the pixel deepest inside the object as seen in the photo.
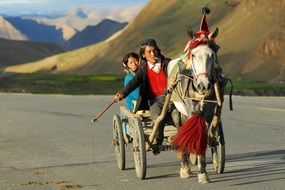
(195, 70)
(202, 59)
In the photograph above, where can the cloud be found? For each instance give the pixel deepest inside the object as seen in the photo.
(15, 2)
(18, 7)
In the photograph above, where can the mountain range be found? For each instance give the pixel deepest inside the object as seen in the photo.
(94, 34)
(14, 52)
(251, 39)
(68, 30)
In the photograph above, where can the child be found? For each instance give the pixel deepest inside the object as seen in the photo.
(131, 64)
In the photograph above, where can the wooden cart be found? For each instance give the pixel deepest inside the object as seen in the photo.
(137, 129)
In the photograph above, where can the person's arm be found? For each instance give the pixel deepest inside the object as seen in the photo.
(132, 85)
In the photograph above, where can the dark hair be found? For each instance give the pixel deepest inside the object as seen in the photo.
(149, 42)
(127, 56)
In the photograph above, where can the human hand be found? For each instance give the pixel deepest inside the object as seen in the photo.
(119, 96)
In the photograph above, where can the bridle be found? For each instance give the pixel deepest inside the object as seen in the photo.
(194, 71)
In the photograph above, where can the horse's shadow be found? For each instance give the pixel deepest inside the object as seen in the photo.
(170, 175)
(253, 165)
(250, 165)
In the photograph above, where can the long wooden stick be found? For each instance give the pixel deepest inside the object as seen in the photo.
(158, 121)
(162, 114)
(103, 111)
(218, 93)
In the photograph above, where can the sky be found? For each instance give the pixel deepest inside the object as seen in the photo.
(19, 7)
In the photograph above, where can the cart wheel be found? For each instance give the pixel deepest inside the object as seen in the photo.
(119, 143)
(139, 149)
(218, 151)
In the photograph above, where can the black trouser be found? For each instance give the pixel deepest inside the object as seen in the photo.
(171, 116)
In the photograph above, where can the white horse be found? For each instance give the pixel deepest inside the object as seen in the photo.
(196, 82)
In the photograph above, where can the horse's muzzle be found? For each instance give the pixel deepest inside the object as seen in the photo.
(204, 88)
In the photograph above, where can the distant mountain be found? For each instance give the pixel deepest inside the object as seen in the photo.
(16, 28)
(81, 17)
(8, 31)
(81, 13)
(94, 34)
(66, 28)
(251, 38)
(13, 52)
(36, 31)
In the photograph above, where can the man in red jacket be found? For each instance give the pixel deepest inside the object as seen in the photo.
(152, 76)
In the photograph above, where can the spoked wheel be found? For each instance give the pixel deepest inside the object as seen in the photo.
(119, 143)
(139, 150)
(218, 150)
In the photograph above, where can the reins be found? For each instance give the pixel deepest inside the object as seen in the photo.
(209, 101)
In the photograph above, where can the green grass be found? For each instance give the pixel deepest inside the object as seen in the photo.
(256, 88)
(101, 84)
(252, 85)
(61, 84)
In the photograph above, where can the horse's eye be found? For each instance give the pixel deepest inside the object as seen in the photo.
(192, 55)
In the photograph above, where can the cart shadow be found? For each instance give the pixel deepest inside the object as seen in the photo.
(269, 164)
(156, 166)
(163, 176)
(164, 165)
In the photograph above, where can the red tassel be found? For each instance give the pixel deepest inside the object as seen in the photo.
(192, 136)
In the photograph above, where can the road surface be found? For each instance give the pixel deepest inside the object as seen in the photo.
(46, 142)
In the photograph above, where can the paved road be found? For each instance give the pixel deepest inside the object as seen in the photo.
(46, 143)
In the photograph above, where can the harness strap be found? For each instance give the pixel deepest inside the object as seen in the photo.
(201, 74)
(230, 96)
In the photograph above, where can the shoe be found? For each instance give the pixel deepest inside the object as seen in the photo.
(156, 149)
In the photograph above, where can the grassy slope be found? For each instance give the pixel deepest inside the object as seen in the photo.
(245, 26)
(167, 24)
(13, 52)
(243, 35)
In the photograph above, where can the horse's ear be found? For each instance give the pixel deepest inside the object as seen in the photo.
(190, 33)
(213, 34)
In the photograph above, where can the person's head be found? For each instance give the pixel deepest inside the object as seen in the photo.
(149, 51)
(131, 61)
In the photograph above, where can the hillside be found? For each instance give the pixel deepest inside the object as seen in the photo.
(251, 38)
(79, 18)
(94, 34)
(36, 31)
(13, 52)
(253, 41)
(8, 31)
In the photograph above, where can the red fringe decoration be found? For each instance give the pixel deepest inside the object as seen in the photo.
(192, 136)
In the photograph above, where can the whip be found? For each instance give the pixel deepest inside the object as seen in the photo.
(103, 111)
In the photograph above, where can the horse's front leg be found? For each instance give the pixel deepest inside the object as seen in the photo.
(185, 170)
(202, 173)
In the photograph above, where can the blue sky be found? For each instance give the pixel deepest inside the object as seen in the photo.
(17, 7)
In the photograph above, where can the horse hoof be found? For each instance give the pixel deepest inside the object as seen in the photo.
(185, 173)
(203, 178)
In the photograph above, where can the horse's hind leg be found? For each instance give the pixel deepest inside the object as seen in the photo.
(202, 173)
(185, 170)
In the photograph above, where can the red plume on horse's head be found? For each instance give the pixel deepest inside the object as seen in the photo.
(204, 29)
(197, 38)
